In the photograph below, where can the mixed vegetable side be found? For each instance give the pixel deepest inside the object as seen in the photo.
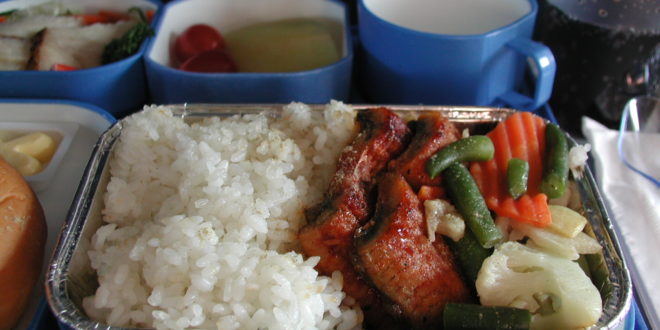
(468, 232)
(54, 37)
(523, 263)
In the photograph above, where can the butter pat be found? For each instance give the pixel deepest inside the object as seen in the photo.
(23, 163)
(38, 145)
(285, 46)
(6, 135)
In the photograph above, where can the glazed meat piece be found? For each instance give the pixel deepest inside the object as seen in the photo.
(332, 224)
(395, 255)
(330, 236)
(382, 137)
(432, 132)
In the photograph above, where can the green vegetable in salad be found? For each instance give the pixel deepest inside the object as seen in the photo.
(129, 43)
(8, 12)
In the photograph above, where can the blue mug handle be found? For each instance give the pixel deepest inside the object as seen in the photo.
(544, 69)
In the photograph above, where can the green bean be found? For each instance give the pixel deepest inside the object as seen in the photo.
(473, 148)
(8, 12)
(555, 171)
(470, 254)
(467, 199)
(517, 173)
(470, 316)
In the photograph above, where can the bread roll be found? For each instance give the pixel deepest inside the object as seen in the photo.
(23, 236)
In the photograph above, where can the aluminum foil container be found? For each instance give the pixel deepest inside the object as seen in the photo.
(70, 277)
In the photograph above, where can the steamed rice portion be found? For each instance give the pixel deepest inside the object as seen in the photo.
(201, 222)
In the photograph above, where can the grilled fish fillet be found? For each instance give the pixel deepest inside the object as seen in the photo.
(394, 253)
(332, 224)
(432, 132)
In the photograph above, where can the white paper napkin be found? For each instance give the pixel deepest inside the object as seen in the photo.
(635, 207)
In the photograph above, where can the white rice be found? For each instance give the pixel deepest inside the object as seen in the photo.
(577, 159)
(201, 222)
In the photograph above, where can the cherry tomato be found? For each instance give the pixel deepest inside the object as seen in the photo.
(209, 61)
(196, 39)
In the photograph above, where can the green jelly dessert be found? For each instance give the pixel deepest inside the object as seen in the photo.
(288, 45)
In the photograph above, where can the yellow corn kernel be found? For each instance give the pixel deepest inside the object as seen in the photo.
(38, 145)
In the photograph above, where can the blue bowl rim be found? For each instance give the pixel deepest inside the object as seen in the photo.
(534, 7)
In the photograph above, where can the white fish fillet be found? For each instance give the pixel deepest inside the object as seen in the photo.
(14, 53)
(28, 26)
(80, 47)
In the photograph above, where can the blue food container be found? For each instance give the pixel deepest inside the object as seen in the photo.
(118, 87)
(169, 85)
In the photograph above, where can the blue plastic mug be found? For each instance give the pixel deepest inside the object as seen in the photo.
(478, 58)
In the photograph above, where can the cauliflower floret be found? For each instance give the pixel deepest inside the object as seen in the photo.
(443, 218)
(555, 290)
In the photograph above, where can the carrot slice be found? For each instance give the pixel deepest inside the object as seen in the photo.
(89, 19)
(430, 192)
(150, 15)
(62, 67)
(113, 16)
(522, 135)
(102, 16)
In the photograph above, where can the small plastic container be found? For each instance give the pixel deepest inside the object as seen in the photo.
(80, 125)
(170, 85)
(62, 133)
(118, 87)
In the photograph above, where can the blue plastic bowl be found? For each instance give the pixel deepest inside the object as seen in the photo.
(119, 88)
(169, 85)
